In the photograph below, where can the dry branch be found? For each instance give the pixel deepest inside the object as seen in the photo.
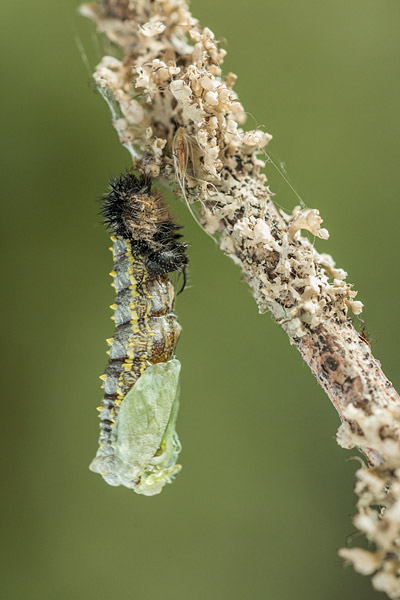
(180, 120)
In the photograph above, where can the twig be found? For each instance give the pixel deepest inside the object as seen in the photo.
(181, 120)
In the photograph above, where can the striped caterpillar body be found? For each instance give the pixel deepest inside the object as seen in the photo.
(138, 446)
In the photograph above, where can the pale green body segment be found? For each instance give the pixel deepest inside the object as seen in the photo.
(145, 446)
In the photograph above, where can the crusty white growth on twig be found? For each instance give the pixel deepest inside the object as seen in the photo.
(181, 121)
(378, 490)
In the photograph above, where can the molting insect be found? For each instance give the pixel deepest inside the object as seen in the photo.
(138, 445)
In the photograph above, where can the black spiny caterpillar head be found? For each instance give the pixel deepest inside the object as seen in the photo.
(138, 214)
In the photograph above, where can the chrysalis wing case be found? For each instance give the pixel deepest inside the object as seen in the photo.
(138, 445)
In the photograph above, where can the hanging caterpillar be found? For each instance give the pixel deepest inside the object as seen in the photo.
(138, 446)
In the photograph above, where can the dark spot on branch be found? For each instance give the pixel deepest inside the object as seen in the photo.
(355, 428)
(385, 432)
(324, 344)
(331, 364)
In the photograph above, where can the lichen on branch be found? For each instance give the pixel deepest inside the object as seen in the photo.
(181, 121)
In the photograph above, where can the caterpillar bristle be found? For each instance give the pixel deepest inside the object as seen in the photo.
(139, 214)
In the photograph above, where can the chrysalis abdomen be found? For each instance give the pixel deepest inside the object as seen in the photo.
(146, 329)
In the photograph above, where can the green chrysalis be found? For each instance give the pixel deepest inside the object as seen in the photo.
(145, 446)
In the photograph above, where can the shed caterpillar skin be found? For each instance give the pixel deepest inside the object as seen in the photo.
(138, 446)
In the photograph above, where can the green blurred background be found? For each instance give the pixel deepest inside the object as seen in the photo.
(265, 496)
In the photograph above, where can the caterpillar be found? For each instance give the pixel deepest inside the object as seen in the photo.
(138, 445)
